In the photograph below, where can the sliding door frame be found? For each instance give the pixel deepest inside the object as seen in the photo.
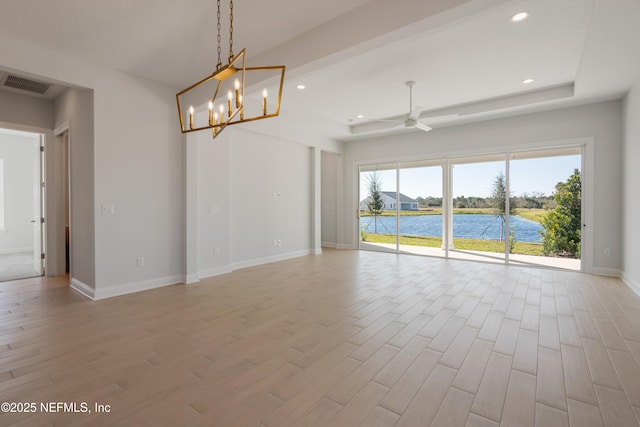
(448, 159)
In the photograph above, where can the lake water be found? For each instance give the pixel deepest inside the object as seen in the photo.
(485, 227)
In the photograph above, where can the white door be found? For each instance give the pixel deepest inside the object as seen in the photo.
(37, 206)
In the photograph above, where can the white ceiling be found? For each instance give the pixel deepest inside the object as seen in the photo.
(354, 56)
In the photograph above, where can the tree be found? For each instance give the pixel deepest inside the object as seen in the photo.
(498, 201)
(562, 225)
(374, 201)
(533, 200)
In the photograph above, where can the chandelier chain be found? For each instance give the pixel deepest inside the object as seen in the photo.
(219, 65)
(230, 31)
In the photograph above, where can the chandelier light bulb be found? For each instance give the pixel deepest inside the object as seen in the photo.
(264, 102)
(237, 86)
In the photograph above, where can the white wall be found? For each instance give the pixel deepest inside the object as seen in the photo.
(137, 168)
(213, 206)
(329, 199)
(75, 107)
(602, 122)
(631, 195)
(18, 155)
(270, 198)
(243, 190)
(25, 110)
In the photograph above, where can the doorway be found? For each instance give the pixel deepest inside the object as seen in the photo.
(66, 196)
(21, 204)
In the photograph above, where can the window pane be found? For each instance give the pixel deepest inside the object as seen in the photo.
(377, 207)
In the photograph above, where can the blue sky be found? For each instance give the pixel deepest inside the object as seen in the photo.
(475, 179)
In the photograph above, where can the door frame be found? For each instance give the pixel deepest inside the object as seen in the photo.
(587, 172)
(39, 225)
(58, 133)
(51, 238)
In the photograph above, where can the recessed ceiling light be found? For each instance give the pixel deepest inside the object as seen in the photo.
(360, 116)
(520, 16)
(527, 81)
(301, 87)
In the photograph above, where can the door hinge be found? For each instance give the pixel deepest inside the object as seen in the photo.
(43, 185)
(42, 220)
(42, 149)
(41, 256)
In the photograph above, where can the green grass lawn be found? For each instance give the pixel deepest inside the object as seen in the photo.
(523, 248)
(536, 215)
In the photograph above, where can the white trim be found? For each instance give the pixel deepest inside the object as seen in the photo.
(344, 246)
(332, 245)
(210, 272)
(16, 250)
(82, 288)
(316, 251)
(129, 288)
(266, 260)
(588, 206)
(62, 128)
(604, 271)
(187, 279)
(631, 283)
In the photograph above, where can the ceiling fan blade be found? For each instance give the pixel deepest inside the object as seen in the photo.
(415, 113)
(422, 126)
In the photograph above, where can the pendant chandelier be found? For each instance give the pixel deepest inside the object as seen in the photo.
(222, 93)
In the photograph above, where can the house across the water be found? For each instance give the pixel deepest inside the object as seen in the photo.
(390, 201)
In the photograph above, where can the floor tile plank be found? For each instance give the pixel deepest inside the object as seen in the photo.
(489, 399)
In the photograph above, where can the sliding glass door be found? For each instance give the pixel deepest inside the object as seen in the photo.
(522, 207)
(479, 218)
(420, 207)
(546, 225)
(378, 200)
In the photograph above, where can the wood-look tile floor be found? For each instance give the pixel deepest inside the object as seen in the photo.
(347, 338)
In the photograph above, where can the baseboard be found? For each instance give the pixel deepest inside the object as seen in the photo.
(331, 245)
(16, 250)
(266, 260)
(129, 288)
(190, 278)
(316, 251)
(344, 246)
(631, 283)
(82, 288)
(210, 272)
(603, 271)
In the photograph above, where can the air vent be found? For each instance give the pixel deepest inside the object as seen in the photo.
(26, 84)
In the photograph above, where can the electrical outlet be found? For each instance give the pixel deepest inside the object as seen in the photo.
(279, 242)
(216, 252)
(108, 210)
(607, 251)
(275, 242)
(140, 262)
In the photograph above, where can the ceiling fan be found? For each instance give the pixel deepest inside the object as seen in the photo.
(411, 119)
